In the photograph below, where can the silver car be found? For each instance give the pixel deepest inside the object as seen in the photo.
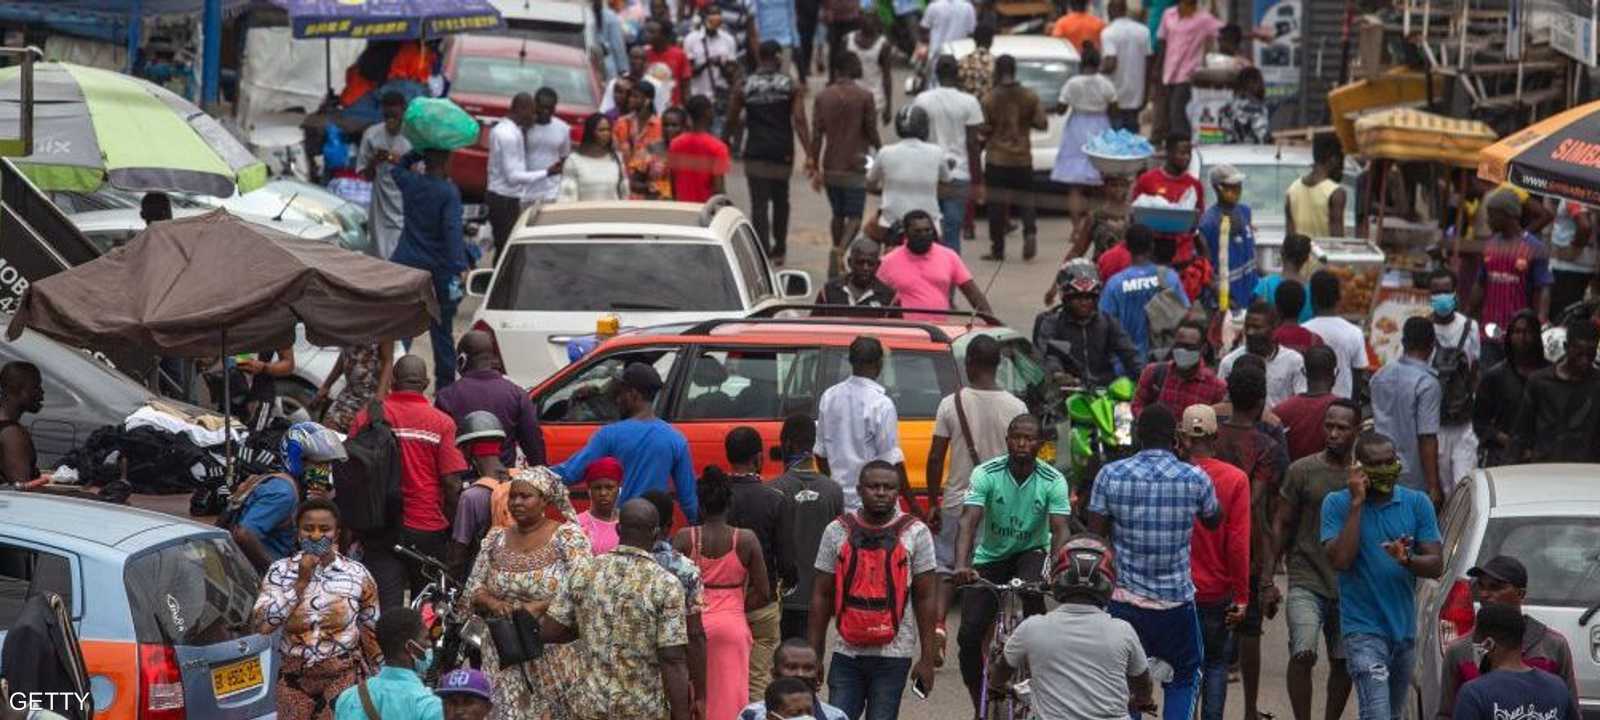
(1547, 516)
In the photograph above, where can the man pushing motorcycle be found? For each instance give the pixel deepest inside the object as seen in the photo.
(1081, 344)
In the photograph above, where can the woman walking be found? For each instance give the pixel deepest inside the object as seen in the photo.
(594, 172)
(327, 607)
(636, 136)
(734, 578)
(367, 372)
(1090, 96)
(522, 567)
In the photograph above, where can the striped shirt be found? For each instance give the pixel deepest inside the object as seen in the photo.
(1152, 500)
(427, 438)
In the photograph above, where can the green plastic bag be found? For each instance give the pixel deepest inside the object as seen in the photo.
(438, 124)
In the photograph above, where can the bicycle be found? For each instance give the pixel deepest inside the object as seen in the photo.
(453, 645)
(1017, 703)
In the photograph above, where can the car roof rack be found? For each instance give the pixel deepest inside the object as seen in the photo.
(871, 311)
(712, 206)
(705, 327)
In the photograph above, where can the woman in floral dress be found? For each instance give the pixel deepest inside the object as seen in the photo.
(522, 566)
(366, 370)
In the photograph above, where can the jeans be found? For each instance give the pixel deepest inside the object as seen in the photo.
(1177, 109)
(980, 605)
(769, 192)
(867, 683)
(1381, 669)
(1216, 640)
(1010, 188)
(952, 212)
(439, 332)
(1174, 636)
(808, 13)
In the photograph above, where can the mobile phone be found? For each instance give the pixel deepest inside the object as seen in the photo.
(918, 689)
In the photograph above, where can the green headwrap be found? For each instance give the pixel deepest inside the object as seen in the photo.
(1381, 478)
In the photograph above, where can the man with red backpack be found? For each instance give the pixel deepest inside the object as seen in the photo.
(1020, 506)
(870, 563)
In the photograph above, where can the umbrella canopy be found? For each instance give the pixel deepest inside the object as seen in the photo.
(93, 127)
(180, 285)
(388, 19)
(1558, 156)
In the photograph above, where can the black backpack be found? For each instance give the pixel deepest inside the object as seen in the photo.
(367, 484)
(1455, 379)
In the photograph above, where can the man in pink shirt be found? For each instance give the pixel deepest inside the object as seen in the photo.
(1185, 31)
(924, 274)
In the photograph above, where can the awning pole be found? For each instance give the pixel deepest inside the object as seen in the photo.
(211, 58)
(135, 15)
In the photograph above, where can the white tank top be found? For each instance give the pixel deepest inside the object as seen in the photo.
(871, 72)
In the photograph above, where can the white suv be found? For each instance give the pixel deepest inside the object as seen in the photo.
(651, 263)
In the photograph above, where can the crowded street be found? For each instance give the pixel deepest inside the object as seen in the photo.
(799, 360)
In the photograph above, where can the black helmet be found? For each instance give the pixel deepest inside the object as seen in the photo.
(1084, 568)
(480, 425)
(911, 122)
(1078, 277)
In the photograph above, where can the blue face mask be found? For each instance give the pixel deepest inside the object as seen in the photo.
(1443, 304)
(317, 547)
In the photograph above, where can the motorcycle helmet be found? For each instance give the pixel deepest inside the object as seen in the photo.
(1084, 569)
(479, 425)
(309, 442)
(1078, 277)
(911, 122)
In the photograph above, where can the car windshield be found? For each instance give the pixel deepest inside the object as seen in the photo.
(506, 77)
(600, 276)
(197, 592)
(1559, 553)
(1045, 77)
(1265, 186)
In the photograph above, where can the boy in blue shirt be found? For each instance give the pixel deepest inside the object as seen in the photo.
(1127, 292)
(1228, 184)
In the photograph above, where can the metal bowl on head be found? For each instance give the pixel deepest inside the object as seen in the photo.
(1110, 165)
(1166, 221)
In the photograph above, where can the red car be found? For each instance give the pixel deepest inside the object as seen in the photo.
(486, 71)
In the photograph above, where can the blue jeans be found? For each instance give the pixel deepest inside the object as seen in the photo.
(1216, 639)
(952, 212)
(1174, 636)
(1381, 669)
(444, 346)
(869, 683)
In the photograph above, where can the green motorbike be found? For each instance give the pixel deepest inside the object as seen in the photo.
(1086, 426)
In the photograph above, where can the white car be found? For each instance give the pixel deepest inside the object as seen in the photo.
(1044, 64)
(1269, 171)
(108, 228)
(654, 263)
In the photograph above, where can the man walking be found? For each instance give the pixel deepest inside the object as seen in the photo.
(483, 387)
(526, 148)
(771, 111)
(758, 508)
(1147, 505)
(846, 132)
(1405, 408)
(1303, 415)
(811, 500)
(1231, 214)
(1220, 558)
(1184, 33)
(1311, 606)
(652, 452)
(954, 120)
(432, 240)
(1314, 204)
(629, 613)
(1380, 537)
(1125, 44)
(1348, 342)
(1455, 363)
(1184, 380)
(1128, 291)
(713, 61)
(382, 145)
(698, 159)
(1286, 369)
(396, 690)
(925, 274)
(857, 423)
(1011, 112)
(1560, 409)
(1511, 689)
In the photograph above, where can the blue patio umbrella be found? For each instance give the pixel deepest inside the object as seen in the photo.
(387, 19)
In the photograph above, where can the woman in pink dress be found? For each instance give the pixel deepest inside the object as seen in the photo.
(734, 579)
(603, 477)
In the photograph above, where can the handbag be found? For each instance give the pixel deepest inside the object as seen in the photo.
(516, 637)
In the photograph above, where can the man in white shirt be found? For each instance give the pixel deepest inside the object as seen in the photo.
(1286, 369)
(945, 21)
(525, 152)
(857, 423)
(712, 51)
(1125, 45)
(382, 145)
(1347, 341)
(953, 121)
(909, 171)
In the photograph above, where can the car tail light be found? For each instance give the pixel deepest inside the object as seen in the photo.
(160, 684)
(1456, 617)
(494, 342)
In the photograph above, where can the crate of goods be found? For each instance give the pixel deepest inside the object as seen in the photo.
(1359, 266)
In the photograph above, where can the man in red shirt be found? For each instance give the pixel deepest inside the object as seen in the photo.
(1219, 559)
(1171, 181)
(660, 50)
(429, 464)
(1184, 380)
(1290, 300)
(697, 159)
(1302, 414)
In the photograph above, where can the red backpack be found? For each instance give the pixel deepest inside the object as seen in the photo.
(871, 582)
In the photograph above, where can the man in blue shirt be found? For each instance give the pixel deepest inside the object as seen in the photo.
(1380, 537)
(652, 452)
(396, 692)
(264, 505)
(1228, 184)
(431, 239)
(1127, 292)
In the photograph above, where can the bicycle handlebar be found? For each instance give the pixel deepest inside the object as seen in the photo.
(1012, 585)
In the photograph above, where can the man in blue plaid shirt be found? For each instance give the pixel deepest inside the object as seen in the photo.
(1147, 504)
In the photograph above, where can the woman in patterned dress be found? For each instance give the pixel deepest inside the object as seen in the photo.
(327, 606)
(366, 370)
(523, 566)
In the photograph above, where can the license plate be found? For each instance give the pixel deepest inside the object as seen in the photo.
(236, 677)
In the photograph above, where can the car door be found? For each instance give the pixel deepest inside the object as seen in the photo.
(730, 386)
(752, 266)
(577, 402)
(29, 569)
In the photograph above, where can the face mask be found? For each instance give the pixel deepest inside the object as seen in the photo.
(919, 244)
(1258, 344)
(424, 663)
(1444, 304)
(1381, 478)
(1185, 358)
(317, 547)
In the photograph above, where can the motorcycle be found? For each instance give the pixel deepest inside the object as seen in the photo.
(457, 638)
(1094, 422)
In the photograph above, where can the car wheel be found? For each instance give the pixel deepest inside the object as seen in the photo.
(294, 398)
